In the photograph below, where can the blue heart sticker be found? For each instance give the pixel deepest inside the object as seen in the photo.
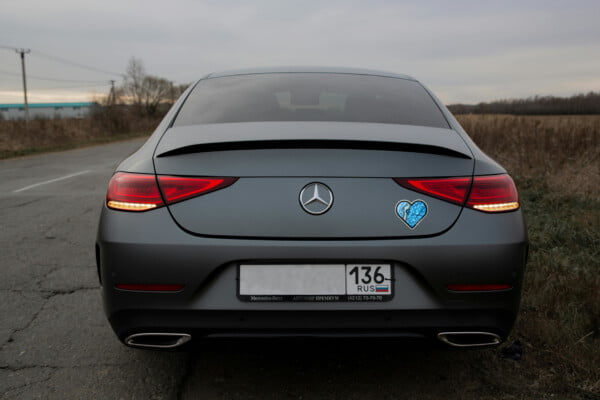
(411, 213)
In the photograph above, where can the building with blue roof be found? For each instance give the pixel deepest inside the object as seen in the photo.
(46, 110)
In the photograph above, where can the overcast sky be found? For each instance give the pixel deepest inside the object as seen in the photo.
(466, 51)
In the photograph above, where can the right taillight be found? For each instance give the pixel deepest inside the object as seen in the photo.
(179, 188)
(493, 193)
(496, 193)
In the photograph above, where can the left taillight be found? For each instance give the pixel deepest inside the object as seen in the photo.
(133, 192)
(141, 192)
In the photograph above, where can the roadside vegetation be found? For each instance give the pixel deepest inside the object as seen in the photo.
(132, 109)
(18, 138)
(555, 161)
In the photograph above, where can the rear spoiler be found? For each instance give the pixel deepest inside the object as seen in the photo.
(309, 135)
(312, 144)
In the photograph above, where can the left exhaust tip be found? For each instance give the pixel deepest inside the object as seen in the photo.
(158, 340)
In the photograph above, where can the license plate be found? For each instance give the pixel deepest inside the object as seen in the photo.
(315, 282)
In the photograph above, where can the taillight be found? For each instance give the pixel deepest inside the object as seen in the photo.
(140, 192)
(133, 192)
(454, 190)
(179, 188)
(494, 193)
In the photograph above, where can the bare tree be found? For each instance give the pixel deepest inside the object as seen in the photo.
(155, 91)
(145, 92)
(134, 76)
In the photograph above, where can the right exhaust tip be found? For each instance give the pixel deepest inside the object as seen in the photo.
(469, 339)
(158, 340)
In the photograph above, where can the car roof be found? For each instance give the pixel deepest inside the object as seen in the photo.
(307, 69)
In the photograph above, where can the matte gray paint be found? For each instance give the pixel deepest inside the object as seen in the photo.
(148, 247)
(269, 207)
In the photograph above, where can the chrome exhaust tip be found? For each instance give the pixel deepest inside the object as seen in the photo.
(469, 339)
(159, 340)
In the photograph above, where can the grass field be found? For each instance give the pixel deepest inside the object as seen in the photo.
(555, 161)
(18, 138)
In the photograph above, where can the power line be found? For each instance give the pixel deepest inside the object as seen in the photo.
(75, 87)
(73, 63)
(65, 61)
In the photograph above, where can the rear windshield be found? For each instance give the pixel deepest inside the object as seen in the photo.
(310, 97)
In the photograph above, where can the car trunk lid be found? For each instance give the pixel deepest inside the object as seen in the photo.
(275, 161)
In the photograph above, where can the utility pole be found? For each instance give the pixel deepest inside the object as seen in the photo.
(113, 96)
(23, 52)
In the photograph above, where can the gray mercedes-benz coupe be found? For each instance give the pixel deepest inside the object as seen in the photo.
(310, 202)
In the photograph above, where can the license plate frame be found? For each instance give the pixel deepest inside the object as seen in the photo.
(251, 276)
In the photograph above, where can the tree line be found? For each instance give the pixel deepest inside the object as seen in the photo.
(588, 103)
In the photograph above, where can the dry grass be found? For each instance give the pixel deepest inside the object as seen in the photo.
(20, 138)
(555, 161)
(563, 151)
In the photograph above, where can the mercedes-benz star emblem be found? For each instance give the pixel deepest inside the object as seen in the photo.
(316, 198)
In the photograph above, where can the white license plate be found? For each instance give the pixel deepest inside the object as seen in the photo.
(315, 282)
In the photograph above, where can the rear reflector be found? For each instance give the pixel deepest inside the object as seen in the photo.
(150, 287)
(478, 288)
(495, 193)
(140, 192)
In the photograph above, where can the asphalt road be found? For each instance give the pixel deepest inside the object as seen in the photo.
(56, 343)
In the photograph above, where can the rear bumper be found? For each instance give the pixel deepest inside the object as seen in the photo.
(151, 248)
(417, 324)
